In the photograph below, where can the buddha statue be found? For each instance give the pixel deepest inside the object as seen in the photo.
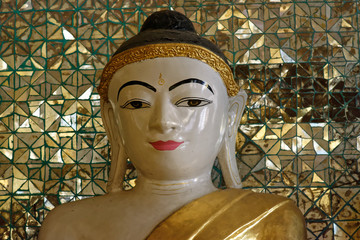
(170, 104)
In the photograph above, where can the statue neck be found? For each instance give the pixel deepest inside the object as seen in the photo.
(195, 187)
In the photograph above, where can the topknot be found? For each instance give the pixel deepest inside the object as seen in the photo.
(168, 19)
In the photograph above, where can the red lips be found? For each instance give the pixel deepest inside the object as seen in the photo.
(166, 146)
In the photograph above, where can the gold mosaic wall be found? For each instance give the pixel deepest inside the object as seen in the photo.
(297, 60)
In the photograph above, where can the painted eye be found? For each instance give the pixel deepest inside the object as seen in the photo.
(136, 104)
(192, 102)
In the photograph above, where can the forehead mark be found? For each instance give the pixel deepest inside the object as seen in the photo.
(161, 80)
(192, 80)
(144, 84)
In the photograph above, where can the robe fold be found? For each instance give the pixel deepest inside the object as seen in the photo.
(234, 214)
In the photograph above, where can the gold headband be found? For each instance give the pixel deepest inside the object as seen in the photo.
(161, 50)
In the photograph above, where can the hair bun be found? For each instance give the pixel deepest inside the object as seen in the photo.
(168, 19)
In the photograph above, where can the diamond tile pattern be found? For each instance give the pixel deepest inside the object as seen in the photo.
(300, 133)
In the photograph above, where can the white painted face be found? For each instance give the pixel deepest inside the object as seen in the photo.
(171, 114)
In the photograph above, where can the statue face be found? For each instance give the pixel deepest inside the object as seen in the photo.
(171, 115)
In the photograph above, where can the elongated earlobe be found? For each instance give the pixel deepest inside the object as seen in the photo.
(226, 156)
(118, 155)
(117, 172)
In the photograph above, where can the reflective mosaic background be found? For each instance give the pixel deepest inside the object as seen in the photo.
(298, 61)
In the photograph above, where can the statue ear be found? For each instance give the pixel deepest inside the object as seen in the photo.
(236, 109)
(226, 156)
(118, 155)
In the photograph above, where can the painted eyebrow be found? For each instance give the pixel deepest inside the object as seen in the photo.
(191, 80)
(136, 83)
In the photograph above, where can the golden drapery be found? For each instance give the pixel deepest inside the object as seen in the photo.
(234, 214)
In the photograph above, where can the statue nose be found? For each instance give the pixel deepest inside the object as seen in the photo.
(164, 118)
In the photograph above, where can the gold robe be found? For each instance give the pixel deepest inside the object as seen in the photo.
(234, 214)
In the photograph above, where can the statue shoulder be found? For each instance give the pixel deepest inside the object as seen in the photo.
(63, 221)
(235, 214)
(272, 217)
(265, 201)
(281, 218)
(58, 222)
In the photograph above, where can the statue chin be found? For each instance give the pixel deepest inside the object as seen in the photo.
(172, 107)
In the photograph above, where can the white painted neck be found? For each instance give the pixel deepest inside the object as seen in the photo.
(195, 187)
